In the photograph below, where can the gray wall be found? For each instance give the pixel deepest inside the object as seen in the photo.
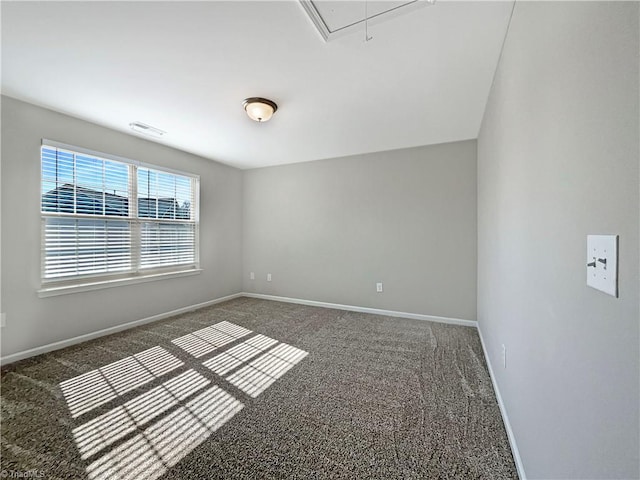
(557, 160)
(329, 230)
(33, 321)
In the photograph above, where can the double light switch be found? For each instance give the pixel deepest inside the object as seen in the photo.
(602, 263)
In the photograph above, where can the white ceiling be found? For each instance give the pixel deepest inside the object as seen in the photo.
(185, 68)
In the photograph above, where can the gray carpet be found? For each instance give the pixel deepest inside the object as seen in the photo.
(255, 389)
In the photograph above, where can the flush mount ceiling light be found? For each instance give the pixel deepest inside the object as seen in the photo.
(259, 109)
(145, 129)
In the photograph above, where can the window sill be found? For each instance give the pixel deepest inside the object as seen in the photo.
(52, 291)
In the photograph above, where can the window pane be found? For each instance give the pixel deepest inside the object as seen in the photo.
(147, 201)
(89, 172)
(57, 165)
(58, 192)
(165, 244)
(184, 197)
(76, 183)
(57, 197)
(164, 195)
(89, 201)
(74, 247)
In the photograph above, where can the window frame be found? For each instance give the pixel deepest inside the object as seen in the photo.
(92, 281)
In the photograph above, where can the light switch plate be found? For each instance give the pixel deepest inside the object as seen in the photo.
(602, 263)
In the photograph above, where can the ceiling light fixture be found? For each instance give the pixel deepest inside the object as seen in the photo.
(145, 129)
(259, 109)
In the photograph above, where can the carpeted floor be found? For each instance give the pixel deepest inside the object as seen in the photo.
(255, 389)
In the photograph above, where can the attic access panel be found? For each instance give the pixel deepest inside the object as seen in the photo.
(336, 18)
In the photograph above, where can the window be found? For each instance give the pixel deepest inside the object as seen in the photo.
(107, 216)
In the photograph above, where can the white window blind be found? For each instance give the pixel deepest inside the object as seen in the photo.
(105, 216)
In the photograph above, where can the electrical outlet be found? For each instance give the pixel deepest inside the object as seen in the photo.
(3, 319)
(268, 277)
(379, 287)
(504, 356)
(252, 276)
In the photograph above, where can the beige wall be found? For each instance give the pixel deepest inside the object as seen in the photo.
(329, 230)
(33, 321)
(558, 157)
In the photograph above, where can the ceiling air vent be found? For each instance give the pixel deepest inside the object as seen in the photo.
(145, 129)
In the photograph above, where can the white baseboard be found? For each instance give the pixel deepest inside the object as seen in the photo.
(375, 311)
(503, 412)
(125, 326)
(107, 331)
